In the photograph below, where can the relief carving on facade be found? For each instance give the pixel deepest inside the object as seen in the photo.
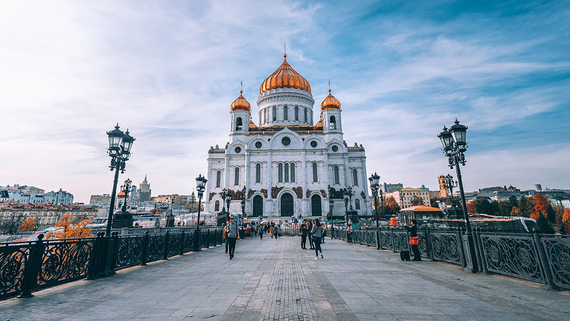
(212, 195)
(324, 193)
(308, 193)
(250, 193)
(363, 195)
(275, 190)
(264, 192)
(299, 191)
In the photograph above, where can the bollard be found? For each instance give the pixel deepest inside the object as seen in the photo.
(32, 268)
(166, 241)
(144, 256)
(543, 261)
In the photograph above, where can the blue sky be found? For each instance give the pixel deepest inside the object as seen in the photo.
(169, 70)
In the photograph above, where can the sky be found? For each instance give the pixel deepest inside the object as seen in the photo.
(169, 71)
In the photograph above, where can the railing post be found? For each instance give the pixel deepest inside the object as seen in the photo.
(182, 242)
(480, 251)
(543, 261)
(166, 241)
(461, 249)
(145, 248)
(428, 243)
(393, 245)
(378, 240)
(95, 259)
(32, 268)
(115, 250)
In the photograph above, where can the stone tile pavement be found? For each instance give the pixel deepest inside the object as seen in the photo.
(277, 280)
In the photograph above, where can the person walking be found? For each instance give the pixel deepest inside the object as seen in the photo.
(310, 235)
(233, 236)
(276, 231)
(225, 235)
(272, 229)
(261, 230)
(332, 231)
(317, 232)
(414, 239)
(304, 231)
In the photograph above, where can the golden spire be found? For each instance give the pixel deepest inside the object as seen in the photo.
(330, 101)
(240, 103)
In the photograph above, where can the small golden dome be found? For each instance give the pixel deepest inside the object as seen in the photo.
(251, 124)
(319, 124)
(285, 77)
(330, 102)
(241, 103)
(121, 195)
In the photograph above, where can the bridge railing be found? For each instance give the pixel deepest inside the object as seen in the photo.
(29, 266)
(542, 258)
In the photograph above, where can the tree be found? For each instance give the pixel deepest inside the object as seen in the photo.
(30, 224)
(433, 201)
(515, 211)
(551, 214)
(505, 208)
(66, 230)
(416, 200)
(543, 225)
(559, 213)
(513, 201)
(539, 205)
(390, 206)
(566, 216)
(480, 205)
(525, 206)
(472, 207)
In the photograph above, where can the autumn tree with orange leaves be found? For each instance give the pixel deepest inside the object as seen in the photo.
(65, 229)
(29, 224)
(566, 220)
(539, 206)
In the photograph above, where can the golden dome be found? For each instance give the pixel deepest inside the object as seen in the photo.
(241, 103)
(121, 195)
(285, 76)
(319, 124)
(330, 102)
(251, 124)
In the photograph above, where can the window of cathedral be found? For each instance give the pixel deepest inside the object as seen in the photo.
(258, 144)
(336, 175)
(265, 116)
(280, 173)
(258, 173)
(357, 203)
(315, 176)
(354, 177)
(314, 143)
(292, 172)
(305, 110)
(285, 113)
(239, 123)
(297, 113)
(274, 113)
(335, 148)
(286, 173)
(333, 122)
(237, 150)
(218, 178)
(236, 181)
(286, 141)
(217, 206)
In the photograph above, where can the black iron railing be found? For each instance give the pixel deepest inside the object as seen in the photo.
(29, 266)
(542, 258)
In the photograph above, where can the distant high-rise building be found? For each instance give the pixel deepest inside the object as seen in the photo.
(144, 191)
(389, 187)
(443, 191)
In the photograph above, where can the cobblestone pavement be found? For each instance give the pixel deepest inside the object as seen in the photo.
(276, 280)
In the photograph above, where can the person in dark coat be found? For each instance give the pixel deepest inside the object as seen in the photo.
(414, 239)
(304, 231)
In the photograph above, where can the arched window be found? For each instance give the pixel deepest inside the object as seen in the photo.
(305, 110)
(258, 173)
(293, 172)
(357, 203)
(285, 113)
(333, 122)
(296, 112)
(217, 206)
(286, 173)
(280, 174)
(336, 175)
(237, 176)
(218, 178)
(355, 177)
(274, 112)
(265, 116)
(239, 124)
(315, 177)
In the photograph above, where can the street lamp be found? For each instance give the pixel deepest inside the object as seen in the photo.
(243, 201)
(331, 203)
(454, 145)
(200, 187)
(347, 195)
(120, 145)
(374, 186)
(228, 199)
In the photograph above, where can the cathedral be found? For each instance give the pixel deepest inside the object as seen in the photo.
(286, 165)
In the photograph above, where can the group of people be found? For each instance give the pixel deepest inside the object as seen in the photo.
(315, 232)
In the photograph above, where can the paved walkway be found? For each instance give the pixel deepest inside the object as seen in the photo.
(276, 280)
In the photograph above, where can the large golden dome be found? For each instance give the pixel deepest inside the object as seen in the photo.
(241, 103)
(285, 77)
(330, 102)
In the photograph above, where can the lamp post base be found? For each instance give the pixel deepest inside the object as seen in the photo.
(197, 246)
(469, 250)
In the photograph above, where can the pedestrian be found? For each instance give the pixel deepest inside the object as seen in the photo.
(414, 239)
(332, 231)
(248, 231)
(349, 233)
(276, 231)
(317, 232)
(225, 235)
(324, 234)
(233, 236)
(304, 231)
(261, 230)
(272, 229)
(310, 235)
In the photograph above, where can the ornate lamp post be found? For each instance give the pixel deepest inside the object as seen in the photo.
(347, 195)
(331, 203)
(243, 201)
(200, 187)
(119, 150)
(454, 145)
(374, 186)
(228, 199)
